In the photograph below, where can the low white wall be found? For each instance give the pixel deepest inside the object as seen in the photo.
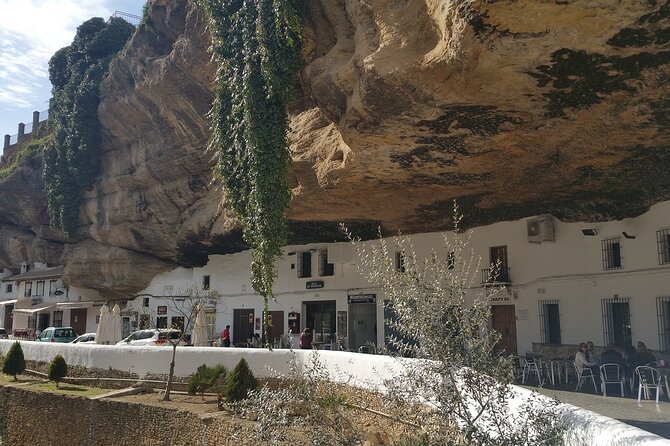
(585, 428)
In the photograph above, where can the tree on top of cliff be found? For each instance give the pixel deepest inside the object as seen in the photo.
(257, 45)
(71, 163)
(15, 363)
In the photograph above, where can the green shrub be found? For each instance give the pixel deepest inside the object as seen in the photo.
(207, 378)
(15, 363)
(240, 382)
(57, 369)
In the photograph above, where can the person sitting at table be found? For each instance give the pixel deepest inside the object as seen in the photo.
(591, 354)
(582, 361)
(612, 356)
(643, 355)
(256, 341)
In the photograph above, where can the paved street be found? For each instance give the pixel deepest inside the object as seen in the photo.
(646, 415)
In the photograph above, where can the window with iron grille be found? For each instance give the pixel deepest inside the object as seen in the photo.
(304, 264)
(663, 243)
(325, 268)
(40, 288)
(663, 311)
(451, 260)
(550, 322)
(611, 253)
(400, 261)
(58, 319)
(616, 322)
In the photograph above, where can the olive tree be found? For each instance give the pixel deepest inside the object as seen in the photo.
(458, 386)
(185, 304)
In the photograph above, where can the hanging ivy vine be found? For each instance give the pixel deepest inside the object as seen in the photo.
(257, 46)
(72, 161)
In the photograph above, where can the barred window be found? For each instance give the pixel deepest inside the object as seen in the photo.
(663, 243)
(325, 268)
(400, 261)
(616, 321)
(304, 264)
(663, 311)
(611, 253)
(550, 322)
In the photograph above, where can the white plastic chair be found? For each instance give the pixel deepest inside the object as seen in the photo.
(649, 378)
(583, 374)
(532, 365)
(610, 373)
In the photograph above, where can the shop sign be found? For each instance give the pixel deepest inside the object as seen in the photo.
(314, 284)
(500, 298)
(162, 309)
(362, 298)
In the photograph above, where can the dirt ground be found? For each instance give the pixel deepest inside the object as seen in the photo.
(376, 429)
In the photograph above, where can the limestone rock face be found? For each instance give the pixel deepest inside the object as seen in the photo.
(514, 108)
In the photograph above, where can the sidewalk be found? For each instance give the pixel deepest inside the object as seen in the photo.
(647, 415)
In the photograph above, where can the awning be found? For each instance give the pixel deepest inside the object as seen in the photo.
(77, 305)
(34, 310)
(8, 302)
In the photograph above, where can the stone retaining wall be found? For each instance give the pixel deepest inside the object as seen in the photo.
(30, 418)
(584, 428)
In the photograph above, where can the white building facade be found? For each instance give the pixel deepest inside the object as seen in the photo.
(564, 283)
(36, 298)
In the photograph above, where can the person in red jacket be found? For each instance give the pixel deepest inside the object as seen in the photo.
(305, 339)
(225, 336)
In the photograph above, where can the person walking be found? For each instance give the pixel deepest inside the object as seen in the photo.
(305, 339)
(225, 336)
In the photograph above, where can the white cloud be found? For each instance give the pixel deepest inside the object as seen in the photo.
(31, 31)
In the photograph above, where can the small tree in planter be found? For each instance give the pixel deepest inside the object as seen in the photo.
(240, 382)
(15, 363)
(57, 369)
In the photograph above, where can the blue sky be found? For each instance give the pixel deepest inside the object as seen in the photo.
(31, 31)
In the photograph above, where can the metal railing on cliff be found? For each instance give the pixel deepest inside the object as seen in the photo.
(25, 130)
(130, 18)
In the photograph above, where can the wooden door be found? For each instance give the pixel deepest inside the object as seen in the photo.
(276, 325)
(243, 324)
(503, 320)
(9, 308)
(78, 320)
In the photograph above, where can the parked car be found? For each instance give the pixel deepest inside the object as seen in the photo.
(3, 333)
(153, 337)
(86, 338)
(57, 334)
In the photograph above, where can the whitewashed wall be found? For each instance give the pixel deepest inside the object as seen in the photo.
(584, 428)
(568, 270)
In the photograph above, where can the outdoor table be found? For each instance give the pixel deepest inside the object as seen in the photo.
(560, 364)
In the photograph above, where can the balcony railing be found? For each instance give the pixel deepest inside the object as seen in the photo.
(496, 276)
(36, 300)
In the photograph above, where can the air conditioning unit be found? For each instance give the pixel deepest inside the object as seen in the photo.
(541, 229)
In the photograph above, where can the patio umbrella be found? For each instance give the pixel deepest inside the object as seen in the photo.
(199, 338)
(102, 334)
(116, 325)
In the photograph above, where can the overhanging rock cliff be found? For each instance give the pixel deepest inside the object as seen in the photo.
(512, 107)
